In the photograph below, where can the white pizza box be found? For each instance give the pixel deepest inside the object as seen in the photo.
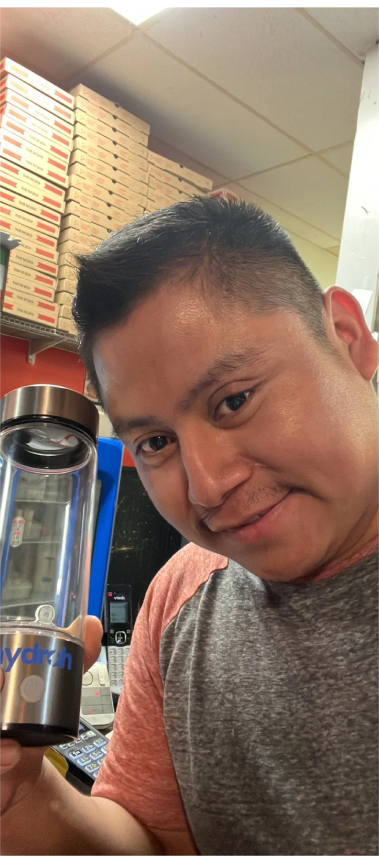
(24, 232)
(165, 190)
(8, 66)
(189, 175)
(89, 148)
(172, 180)
(27, 206)
(31, 260)
(106, 150)
(32, 158)
(24, 183)
(28, 312)
(128, 130)
(128, 144)
(26, 299)
(24, 120)
(48, 146)
(39, 277)
(67, 326)
(28, 245)
(73, 221)
(44, 292)
(65, 292)
(32, 94)
(82, 120)
(93, 112)
(19, 102)
(15, 216)
(110, 107)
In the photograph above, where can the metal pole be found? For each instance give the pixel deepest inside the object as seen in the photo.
(358, 263)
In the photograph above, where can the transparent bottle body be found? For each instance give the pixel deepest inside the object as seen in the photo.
(46, 524)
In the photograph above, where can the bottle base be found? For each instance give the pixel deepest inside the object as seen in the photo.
(36, 735)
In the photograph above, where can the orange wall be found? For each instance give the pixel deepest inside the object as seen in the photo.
(52, 366)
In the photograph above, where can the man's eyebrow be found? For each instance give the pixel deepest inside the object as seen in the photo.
(226, 364)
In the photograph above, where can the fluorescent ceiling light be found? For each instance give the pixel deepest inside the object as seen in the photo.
(139, 11)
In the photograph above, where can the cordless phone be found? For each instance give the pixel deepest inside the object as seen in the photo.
(119, 630)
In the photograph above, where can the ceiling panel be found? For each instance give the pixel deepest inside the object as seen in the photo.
(309, 189)
(340, 157)
(274, 60)
(56, 42)
(187, 112)
(357, 29)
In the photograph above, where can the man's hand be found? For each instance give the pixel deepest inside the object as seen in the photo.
(21, 767)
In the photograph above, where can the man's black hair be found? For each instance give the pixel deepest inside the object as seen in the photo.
(233, 249)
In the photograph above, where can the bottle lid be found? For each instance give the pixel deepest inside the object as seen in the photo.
(46, 402)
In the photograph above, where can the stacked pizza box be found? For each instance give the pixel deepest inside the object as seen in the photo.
(170, 182)
(107, 180)
(36, 138)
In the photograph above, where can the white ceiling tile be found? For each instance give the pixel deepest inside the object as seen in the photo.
(356, 28)
(288, 221)
(274, 60)
(308, 189)
(188, 112)
(340, 157)
(56, 42)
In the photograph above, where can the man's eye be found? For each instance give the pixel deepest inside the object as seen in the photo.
(232, 403)
(153, 444)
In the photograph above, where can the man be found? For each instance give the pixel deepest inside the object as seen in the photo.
(248, 719)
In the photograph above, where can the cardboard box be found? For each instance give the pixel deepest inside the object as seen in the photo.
(83, 185)
(30, 260)
(44, 292)
(9, 98)
(129, 119)
(28, 274)
(32, 94)
(99, 168)
(100, 219)
(65, 310)
(77, 244)
(80, 91)
(131, 146)
(18, 217)
(129, 196)
(172, 180)
(34, 245)
(67, 325)
(30, 157)
(166, 190)
(7, 66)
(189, 175)
(51, 218)
(67, 260)
(31, 313)
(13, 114)
(35, 139)
(71, 221)
(158, 200)
(75, 236)
(26, 183)
(78, 210)
(81, 144)
(66, 291)
(77, 170)
(10, 224)
(131, 131)
(67, 273)
(99, 232)
(25, 299)
(82, 120)
(94, 112)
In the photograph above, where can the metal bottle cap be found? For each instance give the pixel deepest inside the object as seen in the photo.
(43, 401)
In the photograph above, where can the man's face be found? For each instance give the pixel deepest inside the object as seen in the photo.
(251, 438)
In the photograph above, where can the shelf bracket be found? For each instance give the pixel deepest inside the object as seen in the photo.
(38, 345)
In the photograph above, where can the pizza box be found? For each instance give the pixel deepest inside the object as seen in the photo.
(24, 298)
(97, 113)
(25, 232)
(45, 292)
(67, 326)
(66, 291)
(32, 158)
(79, 210)
(38, 211)
(13, 114)
(8, 66)
(24, 183)
(28, 274)
(35, 139)
(111, 107)
(23, 219)
(128, 130)
(172, 180)
(82, 120)
(13, 99)
(67, 273)
(39, 98)
(99, 232)
(31, 260)
(165, 190)
(65, 309)
(189, 175)
(71, 221)
(28, 312)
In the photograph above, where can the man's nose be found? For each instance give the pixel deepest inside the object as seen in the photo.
(212, 465)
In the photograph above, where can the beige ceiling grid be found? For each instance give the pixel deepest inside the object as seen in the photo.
(264, 100)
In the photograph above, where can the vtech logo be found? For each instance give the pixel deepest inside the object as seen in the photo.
(36, 656)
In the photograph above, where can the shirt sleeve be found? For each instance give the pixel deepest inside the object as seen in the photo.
(137, 772)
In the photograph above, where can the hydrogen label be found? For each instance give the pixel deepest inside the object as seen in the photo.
(36, 656)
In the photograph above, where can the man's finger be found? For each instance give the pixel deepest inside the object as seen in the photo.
(92, 634)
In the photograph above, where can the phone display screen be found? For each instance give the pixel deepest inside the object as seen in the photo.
(118, 613)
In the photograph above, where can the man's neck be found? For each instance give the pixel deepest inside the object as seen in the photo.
(353, 553)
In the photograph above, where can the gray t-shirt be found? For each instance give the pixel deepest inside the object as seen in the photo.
(269, 698)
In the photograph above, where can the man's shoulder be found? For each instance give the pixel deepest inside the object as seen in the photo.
(179, 580)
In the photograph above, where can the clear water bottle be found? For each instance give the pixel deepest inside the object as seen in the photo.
(48, 465)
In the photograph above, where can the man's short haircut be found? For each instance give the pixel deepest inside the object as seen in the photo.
(233, 250)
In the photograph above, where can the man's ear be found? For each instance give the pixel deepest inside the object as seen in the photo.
(346, 321)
